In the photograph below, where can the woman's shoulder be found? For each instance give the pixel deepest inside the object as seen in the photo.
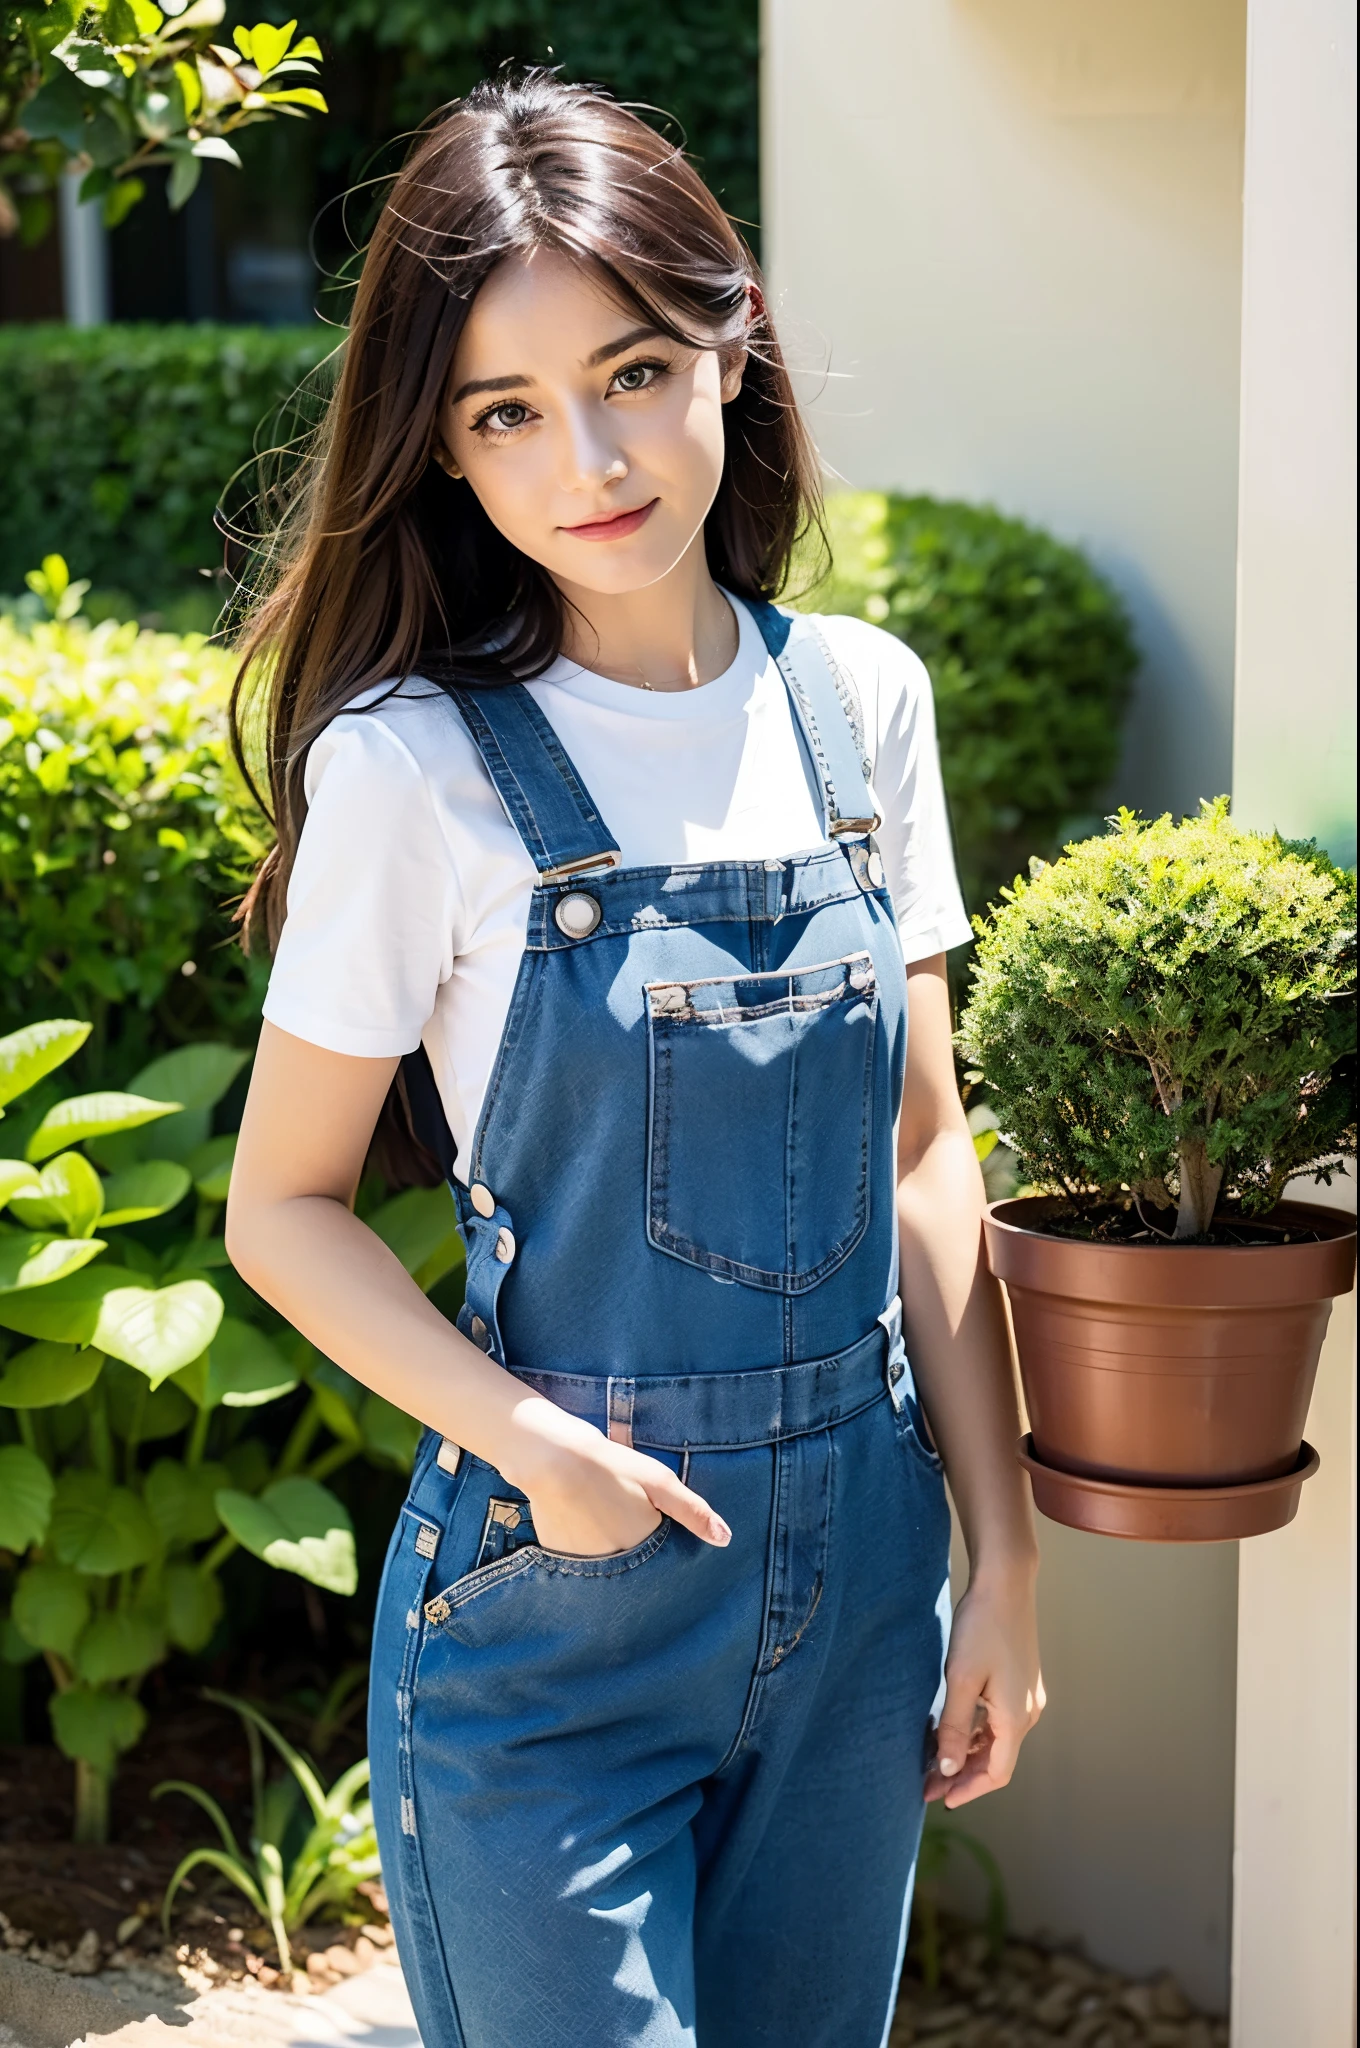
(395, 734)
(891, 681)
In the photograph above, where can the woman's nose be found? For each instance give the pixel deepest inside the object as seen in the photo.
(592, 456)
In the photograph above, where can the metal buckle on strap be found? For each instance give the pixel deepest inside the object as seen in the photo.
(845, 828)
(579, 867)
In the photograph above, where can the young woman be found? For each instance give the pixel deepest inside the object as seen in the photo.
(621, 897)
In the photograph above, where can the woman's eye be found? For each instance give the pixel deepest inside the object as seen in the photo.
(637, 376)
(503, 419)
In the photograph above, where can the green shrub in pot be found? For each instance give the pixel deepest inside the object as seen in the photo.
(132, 1363)
(1167, 1012)
(1165, 1020)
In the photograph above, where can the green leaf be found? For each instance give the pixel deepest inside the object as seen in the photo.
(30, 1260)
(16, 1176)
(65, 1310)
(421, 1227)
(69, 1197)
(98, 1527)
(297, 1526)
(134, 1406)
(179, 1499)
(193, 1605)
(26, 1491)
(210, 1166)
(244, 1369)
(120, 199)
(92, 1116)
(298, 95)
(216, 148)
(119, 1645)
(185, 173)
(194, 1077)
(158, 1329)
(337, 1395)
(267, 45)
(48, 1375)
(15, 1648)
(51, 1607)
(95, 1727)
(140, 1192)
(389, 1431)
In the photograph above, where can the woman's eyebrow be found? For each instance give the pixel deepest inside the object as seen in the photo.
(616, 348)
(512, 383)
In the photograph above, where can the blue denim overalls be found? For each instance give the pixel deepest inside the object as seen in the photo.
(673, 1797)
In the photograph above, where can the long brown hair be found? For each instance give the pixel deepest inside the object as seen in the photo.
(382, 565)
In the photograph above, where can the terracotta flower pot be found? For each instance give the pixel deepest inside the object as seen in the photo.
(1170, 1369)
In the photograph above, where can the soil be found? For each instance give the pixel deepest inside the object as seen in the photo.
(1129, 1222)
(1031, 1996)
(84, 1909)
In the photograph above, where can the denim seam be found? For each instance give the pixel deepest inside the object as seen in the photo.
(520, 1008)
(757, 1686)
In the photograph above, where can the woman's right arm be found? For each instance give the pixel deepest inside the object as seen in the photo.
(293, 1236)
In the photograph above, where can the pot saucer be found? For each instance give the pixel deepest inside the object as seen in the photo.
(1166, 1514)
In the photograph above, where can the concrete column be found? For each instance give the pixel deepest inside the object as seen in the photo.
(84, 256)
(1294, 768)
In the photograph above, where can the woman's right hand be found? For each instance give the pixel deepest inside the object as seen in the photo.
(591, 1497)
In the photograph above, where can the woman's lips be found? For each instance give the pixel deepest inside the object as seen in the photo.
(617, 527)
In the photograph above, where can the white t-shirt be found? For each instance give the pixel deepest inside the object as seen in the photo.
(409, 898)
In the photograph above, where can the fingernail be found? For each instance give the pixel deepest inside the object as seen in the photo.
(948, 1767)
(721, 1532)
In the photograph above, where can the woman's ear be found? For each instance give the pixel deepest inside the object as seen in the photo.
(446, 461)
(733, 369)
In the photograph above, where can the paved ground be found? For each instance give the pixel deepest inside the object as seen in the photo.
(40, 2008)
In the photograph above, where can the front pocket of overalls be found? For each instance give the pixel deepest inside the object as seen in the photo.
(760, 1092)
(446, 1608)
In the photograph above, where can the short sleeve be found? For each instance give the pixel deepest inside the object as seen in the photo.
(914, 838)
(373, 907)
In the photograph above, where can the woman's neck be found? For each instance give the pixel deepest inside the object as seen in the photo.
(677, 634)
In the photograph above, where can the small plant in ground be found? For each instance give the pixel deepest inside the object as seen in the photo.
(131, 1359)
(941, 1839)
(295, 1868)
(1166, 1014)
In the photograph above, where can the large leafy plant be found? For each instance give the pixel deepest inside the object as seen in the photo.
(1029, 652)
(310, 1848)
(132, 1362)
(122, 827)
(1167, 1014)
(116, 86)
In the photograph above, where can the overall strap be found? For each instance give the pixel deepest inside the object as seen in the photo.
(544, 797)
(829, 714)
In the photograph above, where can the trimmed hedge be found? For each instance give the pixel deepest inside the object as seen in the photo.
(117, 442)
(1030, 653)
(123, 830)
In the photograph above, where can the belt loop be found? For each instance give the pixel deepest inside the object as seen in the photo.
(619, 1400)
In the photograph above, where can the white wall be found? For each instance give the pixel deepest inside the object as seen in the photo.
(1294, 768)
(1013, 228)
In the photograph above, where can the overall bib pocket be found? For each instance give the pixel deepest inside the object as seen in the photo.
(760, 1092)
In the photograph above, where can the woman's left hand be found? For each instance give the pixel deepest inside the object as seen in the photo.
(994, 1690)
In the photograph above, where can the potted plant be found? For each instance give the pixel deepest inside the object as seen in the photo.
(1165, 1021)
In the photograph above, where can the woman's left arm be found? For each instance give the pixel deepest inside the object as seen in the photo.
(959, 1349)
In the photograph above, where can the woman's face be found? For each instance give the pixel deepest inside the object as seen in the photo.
(594, 443)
